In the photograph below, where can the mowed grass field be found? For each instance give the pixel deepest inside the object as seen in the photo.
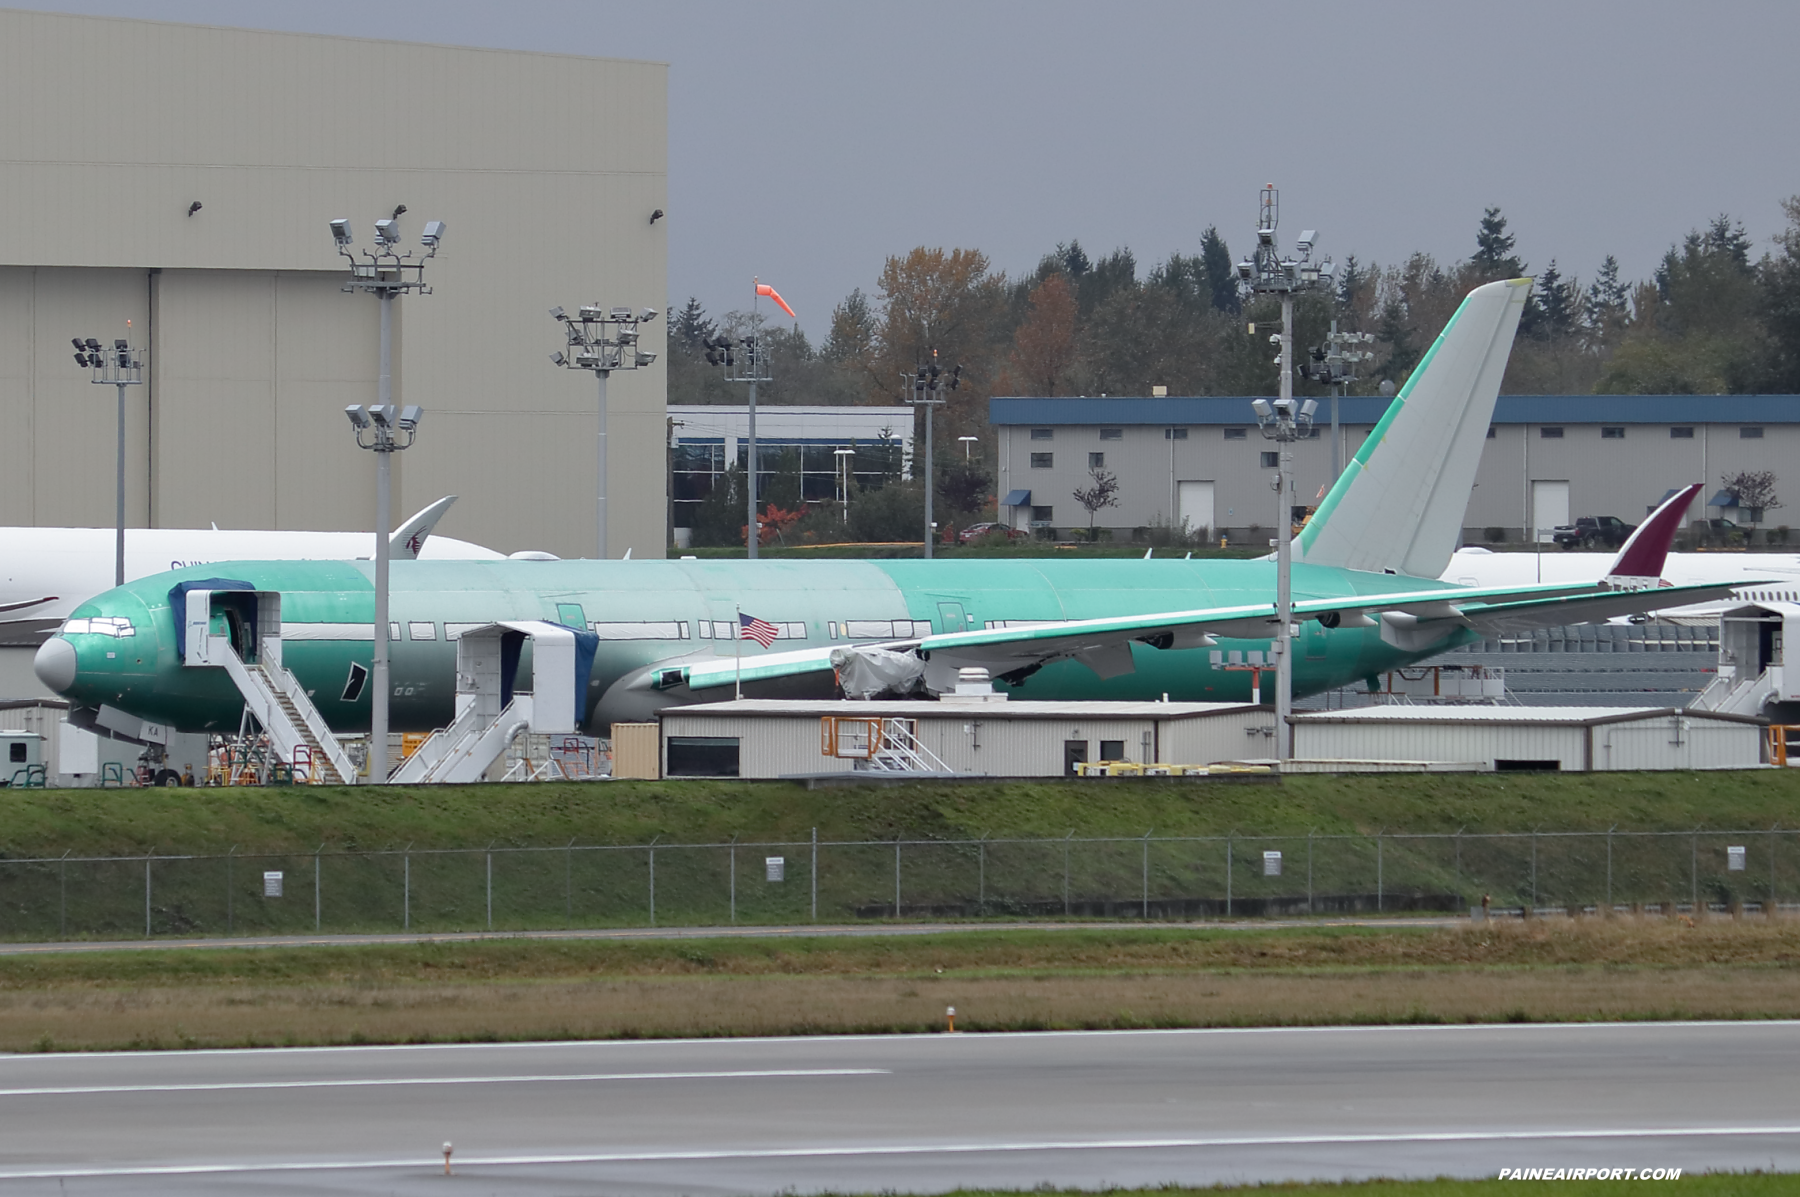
(1014, 980)
(299, 820)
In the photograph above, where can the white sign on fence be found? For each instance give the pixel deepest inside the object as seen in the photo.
(775, 867)
(271, 885)
(1271, 864)
(1734, 860)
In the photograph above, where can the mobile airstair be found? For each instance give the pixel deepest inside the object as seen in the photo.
(490, 713)
(231, 627)
(1753, 678)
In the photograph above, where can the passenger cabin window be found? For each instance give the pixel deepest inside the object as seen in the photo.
(1681, 434)
(1042, 461)
(1112, 434)
(1749, 434)
(1043, 434)
(1612, 434)
(1550, 434)
(1234, 434)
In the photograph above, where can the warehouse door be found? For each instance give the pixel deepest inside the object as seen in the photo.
(1549, 507)
(1194, 503)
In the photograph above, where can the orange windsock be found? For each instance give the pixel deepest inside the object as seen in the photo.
(765, 289)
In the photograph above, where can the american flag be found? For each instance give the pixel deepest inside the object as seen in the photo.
(759, 630)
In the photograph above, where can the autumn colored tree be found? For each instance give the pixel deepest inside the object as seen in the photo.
(1044, 346)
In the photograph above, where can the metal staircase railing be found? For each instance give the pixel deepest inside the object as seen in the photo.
(900, 751)
(274, 697)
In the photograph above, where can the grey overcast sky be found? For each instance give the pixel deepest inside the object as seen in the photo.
(810, 140)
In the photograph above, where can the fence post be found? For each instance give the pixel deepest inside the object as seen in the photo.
(1694, 869)
(1147, 874)
(733, 850)
(1066, 840)
(815, 874)
(981, 876)
(1609, 868)
(228, 911)
(569, 883)
(318, 906)
(1534, 848)
(147, 894)
(406, 888)
(62, 914)
(1459, 880)
(490, 887)
(896, 876)
(1228, 836)
(1380, 877)
(653, 879)
(1773, 841)
(1309, 875)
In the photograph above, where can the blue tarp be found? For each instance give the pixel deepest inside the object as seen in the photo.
(178, 607)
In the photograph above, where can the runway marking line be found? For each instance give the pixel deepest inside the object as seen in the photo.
(917, 1149)
(376, 1082)
(1516, 1028)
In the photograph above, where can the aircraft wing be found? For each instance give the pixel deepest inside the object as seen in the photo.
(1555, 612)
(1104, 645)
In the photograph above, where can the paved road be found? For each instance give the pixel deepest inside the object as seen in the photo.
(802, 931)
(903, 1113)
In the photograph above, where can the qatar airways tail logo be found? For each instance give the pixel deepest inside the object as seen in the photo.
(415, 542)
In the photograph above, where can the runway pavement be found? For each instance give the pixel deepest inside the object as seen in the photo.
(903, 1113)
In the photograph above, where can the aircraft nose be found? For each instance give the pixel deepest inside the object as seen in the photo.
(55, 664)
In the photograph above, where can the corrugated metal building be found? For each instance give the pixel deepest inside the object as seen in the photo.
(182, 177)
(1505, 737)
(1548, 458)
(778, 738)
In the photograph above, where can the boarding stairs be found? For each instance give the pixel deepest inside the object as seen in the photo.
(1752, 678)
(275, 699)
(489, 714)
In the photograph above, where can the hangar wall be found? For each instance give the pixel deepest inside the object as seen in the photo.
(544, 167)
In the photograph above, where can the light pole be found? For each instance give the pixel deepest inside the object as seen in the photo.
(968, 444)
(744, 361)
(1268, 273)
(1334, 365)
(846, 459)
(927, 390)
(602, 340)
(121, 366)
(385, 271)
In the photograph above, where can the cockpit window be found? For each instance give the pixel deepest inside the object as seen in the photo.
(115, 626)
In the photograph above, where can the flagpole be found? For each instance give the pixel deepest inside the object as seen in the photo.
(739, 691)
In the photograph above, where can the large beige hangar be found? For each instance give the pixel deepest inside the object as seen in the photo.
(183, 177)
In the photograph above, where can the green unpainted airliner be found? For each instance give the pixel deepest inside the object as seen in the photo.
(668, 632)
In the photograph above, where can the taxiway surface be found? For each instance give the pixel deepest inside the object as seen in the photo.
(904, 1113)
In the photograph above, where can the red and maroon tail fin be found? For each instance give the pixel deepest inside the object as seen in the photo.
(1640, 560)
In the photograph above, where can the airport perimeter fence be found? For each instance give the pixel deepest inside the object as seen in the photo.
(1146, 878)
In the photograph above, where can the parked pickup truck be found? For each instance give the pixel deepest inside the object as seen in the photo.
(1591, 531)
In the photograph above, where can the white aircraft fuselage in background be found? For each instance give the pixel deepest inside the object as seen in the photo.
(1475, 566)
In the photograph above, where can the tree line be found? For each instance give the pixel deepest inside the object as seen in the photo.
(1713, 317)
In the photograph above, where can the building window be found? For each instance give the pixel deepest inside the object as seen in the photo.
(1096, 461)
(1112, 434)
(1491, 431)
(1175, 434)
(1043, 515)
(1681, 434)
(1042, 461)
(1612, 434)
(1749, 434)
(1271, 461)
(1043, 434)
(1234, 434)
(1550, 434)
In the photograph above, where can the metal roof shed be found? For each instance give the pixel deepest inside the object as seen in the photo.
(1564, 738)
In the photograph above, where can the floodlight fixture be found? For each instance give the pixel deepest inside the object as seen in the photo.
(1244, 269)
(1308, 408)
(383, 414)
(557, 358)
(647, 315)
(645, 359)
(93, 345)
(1262, 409)
(433, 234)
(621, 314)
(410, 415)
(592, 312)
(1305, 244)
(340, 232)
(557, 313)
(359, 419)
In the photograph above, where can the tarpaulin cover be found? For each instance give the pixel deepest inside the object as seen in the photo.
(178, 607)
(586, 644)
(867, 673)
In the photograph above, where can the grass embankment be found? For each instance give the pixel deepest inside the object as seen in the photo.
(280, 820)
(998, 981)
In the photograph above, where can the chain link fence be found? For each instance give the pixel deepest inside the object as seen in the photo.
(795, 882)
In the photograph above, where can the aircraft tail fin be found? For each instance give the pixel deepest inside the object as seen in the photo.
(1641, 557)
(1398, 506)
(409, 538)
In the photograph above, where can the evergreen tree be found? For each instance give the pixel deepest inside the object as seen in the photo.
(1605, 306)
(1217, 275)
(852, 332)
(690, 327)
(1558, 303)
(1072, 260)
(1402, 356)
(1494, 255)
